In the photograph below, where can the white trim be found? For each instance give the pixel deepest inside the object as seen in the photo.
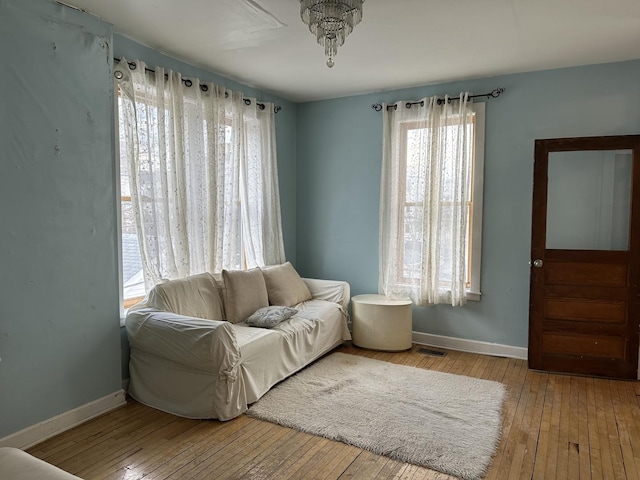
(472, 346)
(478, 189)
(53, 426)
(118, 180)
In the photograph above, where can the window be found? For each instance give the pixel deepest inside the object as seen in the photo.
(423, 182)
(198, 179)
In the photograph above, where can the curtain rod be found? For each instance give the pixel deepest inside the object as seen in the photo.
(203, 87)
(495, 93)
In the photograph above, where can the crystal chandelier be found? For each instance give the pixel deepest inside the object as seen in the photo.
(331, 21)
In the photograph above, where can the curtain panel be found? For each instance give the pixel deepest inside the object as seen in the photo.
(202, 172)
(424, 205)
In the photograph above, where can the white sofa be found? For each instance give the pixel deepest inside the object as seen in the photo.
(18, 465)
(188, 360)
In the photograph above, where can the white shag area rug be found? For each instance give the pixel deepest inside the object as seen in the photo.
(444, 422)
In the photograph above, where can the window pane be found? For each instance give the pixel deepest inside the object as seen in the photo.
(412, 242)
(132, 276)
(416, 167)
(589, 200)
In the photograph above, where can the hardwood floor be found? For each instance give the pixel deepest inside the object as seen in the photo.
(554, 427)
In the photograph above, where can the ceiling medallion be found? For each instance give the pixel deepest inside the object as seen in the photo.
(331, 21)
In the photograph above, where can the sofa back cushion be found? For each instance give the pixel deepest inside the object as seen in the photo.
(284, 285)
(244, 293)
(193, 296)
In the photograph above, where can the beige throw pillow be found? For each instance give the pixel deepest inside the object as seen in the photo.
(284, 285)
(244, 293)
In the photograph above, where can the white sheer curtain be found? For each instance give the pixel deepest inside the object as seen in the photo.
(425, 193)
(202, 174)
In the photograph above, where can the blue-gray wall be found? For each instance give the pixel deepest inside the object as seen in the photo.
(59, 332)
(338, 166)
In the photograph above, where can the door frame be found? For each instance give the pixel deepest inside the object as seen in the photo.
(539, 252)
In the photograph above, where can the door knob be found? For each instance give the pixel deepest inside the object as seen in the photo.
(538, 263)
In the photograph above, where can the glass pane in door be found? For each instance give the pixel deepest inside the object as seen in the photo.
(589, 200)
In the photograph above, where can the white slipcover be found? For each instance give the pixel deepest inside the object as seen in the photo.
(18, 465)
(199, 368)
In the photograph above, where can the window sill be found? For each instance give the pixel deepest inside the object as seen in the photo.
(473, 296)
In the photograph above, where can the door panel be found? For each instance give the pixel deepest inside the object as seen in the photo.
(583, 273)
(585, 258)
(583, 310)
(594, 346)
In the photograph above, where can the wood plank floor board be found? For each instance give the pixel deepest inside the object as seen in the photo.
(216, 436)
(390, 470)
(532, 424)
(544, 431)
(228, 455)
(624, 426)
(601, 386)
(613, 433)
(342, 461)
(366, 466)
(554, 427)
(525, 445)
(592, 427)
(262, 467)
(294, 466)
(322, 456)
(155, 440)
(247, 458)
(332, 455)
(85, 437)
(514, 397)
(564, 448)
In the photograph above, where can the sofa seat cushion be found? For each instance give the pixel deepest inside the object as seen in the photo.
(270, 355)
(194, 296)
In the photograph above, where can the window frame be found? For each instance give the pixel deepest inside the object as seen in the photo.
(118, 189)
(476, 202)
(126, 303)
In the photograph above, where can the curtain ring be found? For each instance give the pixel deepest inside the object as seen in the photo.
(118, 74)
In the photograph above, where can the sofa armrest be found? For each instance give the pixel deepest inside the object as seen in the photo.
(207, 345)
(331, 290)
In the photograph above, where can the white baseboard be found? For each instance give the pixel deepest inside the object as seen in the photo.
(472, 346)
(53, 426)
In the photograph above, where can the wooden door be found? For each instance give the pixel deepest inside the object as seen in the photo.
(585, 247)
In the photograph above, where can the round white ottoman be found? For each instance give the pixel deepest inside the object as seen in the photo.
(380, 323)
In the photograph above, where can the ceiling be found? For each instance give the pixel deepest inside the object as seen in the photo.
(400, 43)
